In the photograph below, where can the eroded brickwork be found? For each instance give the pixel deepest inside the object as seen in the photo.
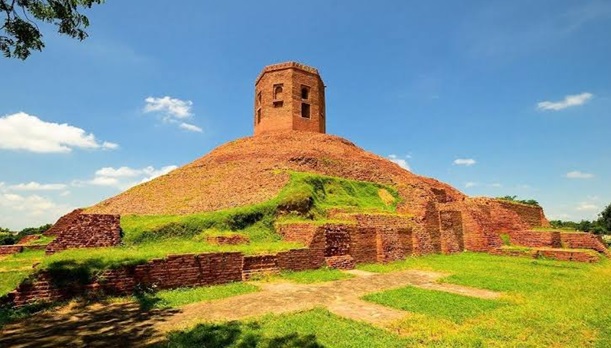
(259, 265)
(63, 223)
(10, 249)
(87, 231)
(550, 239)
(582, 240)
(228, 240)
(451, 231)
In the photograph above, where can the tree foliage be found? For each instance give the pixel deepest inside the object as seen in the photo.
(604, 218)
(20, 34)
(523, 201)
(600, 226)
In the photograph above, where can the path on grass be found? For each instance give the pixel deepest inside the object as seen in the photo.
(341, 297)
(126, 324)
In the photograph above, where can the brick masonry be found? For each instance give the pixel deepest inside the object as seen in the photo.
(10, 249)
(553, 254)
(279, 99)
(63, 223)
(234, 239)
(550, 239)
(87, 231)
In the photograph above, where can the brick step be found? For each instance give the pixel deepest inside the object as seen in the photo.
(560, 254)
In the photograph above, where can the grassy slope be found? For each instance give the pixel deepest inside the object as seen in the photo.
(148, 237)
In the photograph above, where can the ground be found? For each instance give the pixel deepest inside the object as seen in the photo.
(468, 299)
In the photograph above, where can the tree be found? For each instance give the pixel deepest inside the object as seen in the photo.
(604, 219)
(22, 34)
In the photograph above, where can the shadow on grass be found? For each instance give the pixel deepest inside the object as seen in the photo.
(87, 325)
(235, 334)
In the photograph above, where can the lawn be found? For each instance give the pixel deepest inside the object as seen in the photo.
(544, 304)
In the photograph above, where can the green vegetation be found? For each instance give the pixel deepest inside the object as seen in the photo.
(181, 297)
(456, 308)
(314, 328)
(505, 239)
(315, 276)
(602, 225)
(307, 196)
(551, 303)
(516, 200)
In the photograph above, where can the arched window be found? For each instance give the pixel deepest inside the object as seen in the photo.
(278, 92)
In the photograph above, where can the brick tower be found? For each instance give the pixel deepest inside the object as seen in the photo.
(289, 96)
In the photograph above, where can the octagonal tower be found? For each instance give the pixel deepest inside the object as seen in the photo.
(289, 96)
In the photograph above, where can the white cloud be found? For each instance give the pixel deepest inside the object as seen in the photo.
(567, 102)
(587, 206)
(576, 174)
(471, 184)
(496, 184)
(125, 177)
(170, 107)
(190, 127)
(35, 186)
(173, 111)
(109, 146)
(35, 210)
(464, 162)
(402, 162)
(21, 131)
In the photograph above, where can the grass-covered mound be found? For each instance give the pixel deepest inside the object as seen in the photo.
(307, 197)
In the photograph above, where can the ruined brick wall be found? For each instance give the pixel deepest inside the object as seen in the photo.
(427, 237)
(228, 240)
(63, 223)
(531, 215)
(568, 255)
(451, 230)
(10, 249)
(282, 111)
(312, 257)
(550, 239)
(87, 231)
(582, 240)
(337, 239)
(393, 244)
(27, 239)
(259, 264)
(171, 272)
(363, 244)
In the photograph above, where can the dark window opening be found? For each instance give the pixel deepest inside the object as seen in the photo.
(258, 116)
(278, 103)
(305, 92)
(278, 92)
(259, 98)
(305, 110)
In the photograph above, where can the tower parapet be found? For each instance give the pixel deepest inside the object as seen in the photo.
(289, 96)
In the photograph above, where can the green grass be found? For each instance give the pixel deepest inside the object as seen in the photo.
(456, 308)
(314, 276)
(15, 268)
(314, 328)
(181, 297)
(307, 196)
(552, 303)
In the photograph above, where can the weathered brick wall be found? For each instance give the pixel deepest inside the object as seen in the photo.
(171, 272)
(10, 249)
(63, 223)
(259, 264)
(451, 231)
(530, 214)
(577, 240)
(300, 259)
(337, 239)
(568, 255)
(427, 238)
(87, 231)
(553, 254)
(363, 244)
(550, 239)
(389, 243)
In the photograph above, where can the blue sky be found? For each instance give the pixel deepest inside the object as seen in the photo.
(493, 97)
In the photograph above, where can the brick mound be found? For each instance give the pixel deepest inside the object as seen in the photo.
(63, 223)
(10, 249)
(559, 240)
(86, 231)
(254, 169)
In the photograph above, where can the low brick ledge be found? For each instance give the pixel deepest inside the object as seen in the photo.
(575, 255)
